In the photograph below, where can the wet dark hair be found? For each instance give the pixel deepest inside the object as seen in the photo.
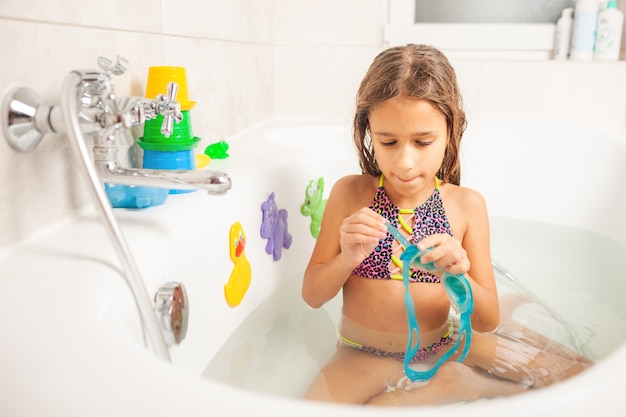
(418, 71)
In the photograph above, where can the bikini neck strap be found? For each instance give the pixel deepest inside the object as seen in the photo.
(437, 182)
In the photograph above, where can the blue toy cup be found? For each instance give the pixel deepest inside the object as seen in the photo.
(185, 160)
(131, 196)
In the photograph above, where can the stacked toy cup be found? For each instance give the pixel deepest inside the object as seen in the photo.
(177, 150)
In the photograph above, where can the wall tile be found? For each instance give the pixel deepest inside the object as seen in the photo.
(319, 82)
(44, 186)
(237, 20)
(327, 22)
(138, 16)
(231, 82)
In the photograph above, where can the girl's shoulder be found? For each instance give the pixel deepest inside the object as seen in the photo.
(358, 188)
(357, 183)
(466, 208)
(462, 196)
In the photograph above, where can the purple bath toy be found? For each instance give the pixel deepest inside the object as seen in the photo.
(274, 228)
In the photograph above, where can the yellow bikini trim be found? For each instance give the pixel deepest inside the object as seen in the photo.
(355, 344)
(405, 225)
(349, 342)
(450, 329)
(398, 263)
(408, 211)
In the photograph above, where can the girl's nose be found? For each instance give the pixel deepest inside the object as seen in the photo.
(406, 158)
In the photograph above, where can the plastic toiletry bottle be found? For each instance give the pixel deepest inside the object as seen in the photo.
(563, 34)
(609, 34)
(584, 32)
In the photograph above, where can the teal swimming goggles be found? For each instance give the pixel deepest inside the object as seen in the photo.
(460, 295)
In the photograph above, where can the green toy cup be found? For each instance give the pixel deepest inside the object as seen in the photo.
(181, 139)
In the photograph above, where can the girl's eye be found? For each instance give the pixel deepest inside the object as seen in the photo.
(390, 143)
(423, 142)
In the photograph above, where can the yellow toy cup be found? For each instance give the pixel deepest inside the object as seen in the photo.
(160, 76)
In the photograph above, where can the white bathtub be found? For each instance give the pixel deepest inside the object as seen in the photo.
(71, 342)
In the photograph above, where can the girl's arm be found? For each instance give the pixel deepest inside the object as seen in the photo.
(470, 256)
(477, 243)
(345, 239)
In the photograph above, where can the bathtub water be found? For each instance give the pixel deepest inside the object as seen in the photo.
(283, 344)
(563, 271)
(72, 336)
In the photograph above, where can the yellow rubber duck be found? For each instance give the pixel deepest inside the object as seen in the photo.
(239, 280)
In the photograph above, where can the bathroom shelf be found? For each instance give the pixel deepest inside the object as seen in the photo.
(490, 41)
(508, 41)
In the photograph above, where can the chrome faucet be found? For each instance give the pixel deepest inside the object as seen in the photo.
(90, 106)
(104, 115)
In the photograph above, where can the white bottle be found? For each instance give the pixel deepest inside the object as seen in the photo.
(609, 34)
(584, 32)
(563, 34)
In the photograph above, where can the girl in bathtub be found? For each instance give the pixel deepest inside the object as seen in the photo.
(408, 127)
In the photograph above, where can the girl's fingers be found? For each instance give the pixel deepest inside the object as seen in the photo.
(446, 253)
(360, 233)
(367, 222)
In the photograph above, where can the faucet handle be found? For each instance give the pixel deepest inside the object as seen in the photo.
(169, 108)
(119, 68)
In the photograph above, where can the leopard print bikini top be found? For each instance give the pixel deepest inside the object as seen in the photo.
(428, 219)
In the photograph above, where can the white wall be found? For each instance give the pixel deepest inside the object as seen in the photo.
(322, 50)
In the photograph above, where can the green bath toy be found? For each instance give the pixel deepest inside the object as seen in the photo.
(314, 204)
(217, 150)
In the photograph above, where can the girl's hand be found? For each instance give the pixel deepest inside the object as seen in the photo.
(447, 253)
(359, 234)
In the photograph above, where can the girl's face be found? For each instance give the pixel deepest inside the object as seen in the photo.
(409, 137)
